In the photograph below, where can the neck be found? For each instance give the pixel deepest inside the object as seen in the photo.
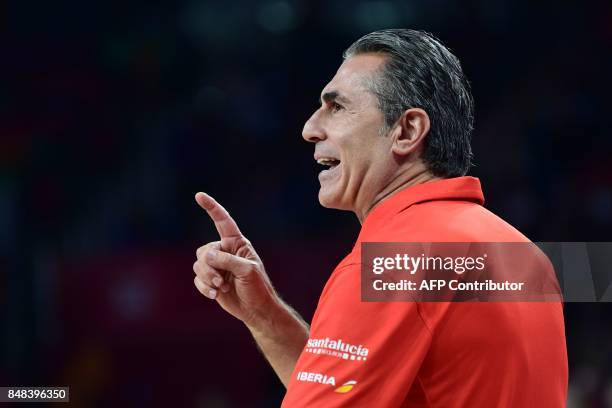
(397, 183)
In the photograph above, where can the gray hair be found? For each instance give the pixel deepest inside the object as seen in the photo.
(420, 72)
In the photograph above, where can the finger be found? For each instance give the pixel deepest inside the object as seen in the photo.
(225, 224)
(205, 289)
(200, 252)
(238, 266)
(210, 276)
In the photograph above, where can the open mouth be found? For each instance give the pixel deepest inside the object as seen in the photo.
(328, 162)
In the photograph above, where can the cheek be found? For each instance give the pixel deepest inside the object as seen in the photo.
(363, 146)
(363, 155)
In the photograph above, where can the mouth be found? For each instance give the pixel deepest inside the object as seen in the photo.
(330, 172)
(328, 162)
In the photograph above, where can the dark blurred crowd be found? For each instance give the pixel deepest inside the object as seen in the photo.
(114, 114)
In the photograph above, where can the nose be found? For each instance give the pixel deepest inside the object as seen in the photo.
(313, 132)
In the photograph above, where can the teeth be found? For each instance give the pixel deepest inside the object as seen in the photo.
(327, 161)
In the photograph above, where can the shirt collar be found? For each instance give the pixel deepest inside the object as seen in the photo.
(464, 188)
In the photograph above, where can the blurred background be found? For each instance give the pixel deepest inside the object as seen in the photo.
(113, 114)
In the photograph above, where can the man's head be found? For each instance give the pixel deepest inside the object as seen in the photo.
(399, 103)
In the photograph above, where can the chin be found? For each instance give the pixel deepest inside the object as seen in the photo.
(330, 200)
(324, 200)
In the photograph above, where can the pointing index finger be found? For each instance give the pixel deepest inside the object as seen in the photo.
(225, 224)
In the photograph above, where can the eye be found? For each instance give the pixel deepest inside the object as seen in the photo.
(335, 107)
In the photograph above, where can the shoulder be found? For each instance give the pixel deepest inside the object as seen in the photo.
(450, 220)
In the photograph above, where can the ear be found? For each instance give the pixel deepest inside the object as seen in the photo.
(410, 131)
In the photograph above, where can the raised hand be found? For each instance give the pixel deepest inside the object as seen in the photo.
(230, 271)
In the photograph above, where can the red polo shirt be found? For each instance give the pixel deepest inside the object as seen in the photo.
(409, 354)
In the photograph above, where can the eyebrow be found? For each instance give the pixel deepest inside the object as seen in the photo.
(332, 96)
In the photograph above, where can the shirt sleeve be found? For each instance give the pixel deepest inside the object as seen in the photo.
(359, 354)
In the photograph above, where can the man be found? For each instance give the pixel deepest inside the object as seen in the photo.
(394, 130)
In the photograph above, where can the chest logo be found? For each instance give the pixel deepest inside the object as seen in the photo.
(346, 387)
(337, 348)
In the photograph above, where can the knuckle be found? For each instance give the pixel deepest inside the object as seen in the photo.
(205, 273)
(253, 266)
(220, 260)
(201, 269)
(202, 287)
(201, 251)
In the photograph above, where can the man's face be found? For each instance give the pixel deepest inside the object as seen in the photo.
(346, 130)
